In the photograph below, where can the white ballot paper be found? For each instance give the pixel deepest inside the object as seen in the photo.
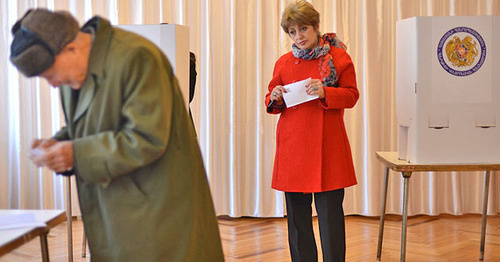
(296, 93)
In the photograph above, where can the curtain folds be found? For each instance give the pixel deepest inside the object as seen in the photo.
(236, 44)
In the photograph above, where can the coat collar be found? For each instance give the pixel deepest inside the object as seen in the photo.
(102, 41)
(96, 67)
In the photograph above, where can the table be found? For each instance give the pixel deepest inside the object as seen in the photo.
(13, 238)
(391, 161)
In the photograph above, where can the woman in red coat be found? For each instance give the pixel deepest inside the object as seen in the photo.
(313, 156)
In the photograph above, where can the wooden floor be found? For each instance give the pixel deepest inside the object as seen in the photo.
(430, 238)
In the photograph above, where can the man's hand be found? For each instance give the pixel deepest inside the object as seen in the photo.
(37, 149)
(43, 143)
(57, 156)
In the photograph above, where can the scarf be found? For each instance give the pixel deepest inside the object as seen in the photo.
(327, 70)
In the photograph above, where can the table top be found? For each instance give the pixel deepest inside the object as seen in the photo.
(13, 238)
(391, 160)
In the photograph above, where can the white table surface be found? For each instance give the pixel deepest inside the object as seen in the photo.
(13, 238)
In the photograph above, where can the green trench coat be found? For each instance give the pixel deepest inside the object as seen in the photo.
(141, 182)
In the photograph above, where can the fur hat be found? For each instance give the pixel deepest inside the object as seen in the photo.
(38, 37)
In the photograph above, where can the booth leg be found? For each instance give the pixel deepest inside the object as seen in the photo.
(69, 217)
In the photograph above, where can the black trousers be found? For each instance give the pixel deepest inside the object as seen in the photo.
(331, 225)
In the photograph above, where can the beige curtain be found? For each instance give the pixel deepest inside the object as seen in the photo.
(237, 43)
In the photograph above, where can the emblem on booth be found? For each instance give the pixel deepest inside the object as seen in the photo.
(461, 51)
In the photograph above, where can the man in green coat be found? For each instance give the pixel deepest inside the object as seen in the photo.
(128, 139)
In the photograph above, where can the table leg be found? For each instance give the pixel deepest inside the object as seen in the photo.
(44, 246)
(84, 243)
(382, 215)
(485, 213)
(406, 176)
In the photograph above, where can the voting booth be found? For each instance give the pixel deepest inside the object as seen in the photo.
(173, 40)
(448, 89)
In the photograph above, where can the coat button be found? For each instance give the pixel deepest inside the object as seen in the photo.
(297, 62)
(295, 107)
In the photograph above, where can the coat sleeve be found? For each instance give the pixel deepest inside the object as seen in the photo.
(62, 134)
(275, 81)
(346, 94)
(147, 85)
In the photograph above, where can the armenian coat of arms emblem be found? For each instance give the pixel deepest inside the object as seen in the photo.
(461, 51)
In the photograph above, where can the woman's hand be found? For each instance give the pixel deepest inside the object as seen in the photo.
(277, 94)
(315, 87)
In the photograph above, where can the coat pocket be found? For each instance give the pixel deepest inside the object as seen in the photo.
(129, 189)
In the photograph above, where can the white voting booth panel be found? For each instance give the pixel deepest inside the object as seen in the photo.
(447, 89)
(173, 40)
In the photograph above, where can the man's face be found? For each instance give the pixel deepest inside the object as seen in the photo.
(66, 70)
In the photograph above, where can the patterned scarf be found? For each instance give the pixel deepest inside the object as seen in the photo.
(327, 70)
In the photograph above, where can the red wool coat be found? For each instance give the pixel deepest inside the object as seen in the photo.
(312, 149)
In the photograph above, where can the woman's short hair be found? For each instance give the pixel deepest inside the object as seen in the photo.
(300, 13)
